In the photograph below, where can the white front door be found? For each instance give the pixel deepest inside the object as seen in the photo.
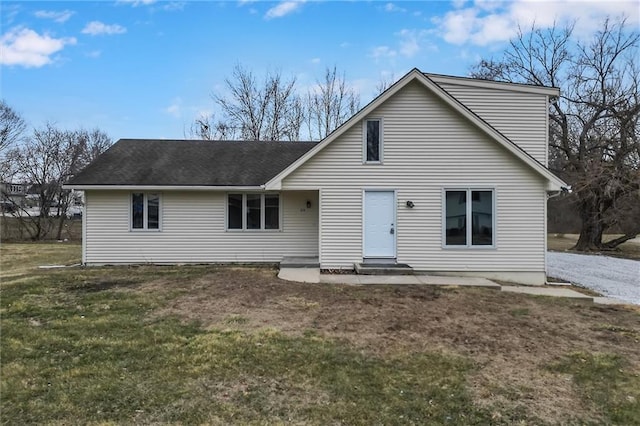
(379, 224)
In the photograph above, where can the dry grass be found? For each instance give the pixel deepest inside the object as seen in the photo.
(11, 229)
(21, 258)
(510, 337)
(564, 242)
(221, 345)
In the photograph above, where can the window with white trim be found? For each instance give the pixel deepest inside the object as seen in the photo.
(145, 211)
(373, 140)
(253, 211)
(469, 217)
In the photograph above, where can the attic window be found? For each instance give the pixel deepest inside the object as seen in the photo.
(373, 140)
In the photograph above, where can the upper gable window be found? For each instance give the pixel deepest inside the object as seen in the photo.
(373, 140)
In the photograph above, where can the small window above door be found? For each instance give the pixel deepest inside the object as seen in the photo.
(372, 144)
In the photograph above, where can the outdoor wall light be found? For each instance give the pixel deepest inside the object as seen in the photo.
(410, 204)
(308, 204)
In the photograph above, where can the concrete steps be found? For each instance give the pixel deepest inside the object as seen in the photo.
(299, 262)
(383, 269)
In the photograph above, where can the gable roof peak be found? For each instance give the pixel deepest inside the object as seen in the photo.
(416, 75)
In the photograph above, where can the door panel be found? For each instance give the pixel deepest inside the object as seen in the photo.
(379, 224)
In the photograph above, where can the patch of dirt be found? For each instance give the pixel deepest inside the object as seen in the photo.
(511, 337)
(102, 285)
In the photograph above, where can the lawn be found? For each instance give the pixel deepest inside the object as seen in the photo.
(221, 345)
(627, 250)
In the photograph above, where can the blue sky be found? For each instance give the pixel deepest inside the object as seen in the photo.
(146, 69)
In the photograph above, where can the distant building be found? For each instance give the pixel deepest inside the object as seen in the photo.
(12, 194)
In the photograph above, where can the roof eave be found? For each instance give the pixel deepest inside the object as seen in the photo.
(81, 187)
(492, 84)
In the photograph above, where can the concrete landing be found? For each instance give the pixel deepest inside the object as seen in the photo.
(300, 262)
(382, 269)
(608, 301)
(313, 275)
(547, 291)
(407, 279)
(459, 281)
(300, 274)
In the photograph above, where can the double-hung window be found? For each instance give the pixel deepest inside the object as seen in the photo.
(145, 211)
(373, 140)
(469, 218)
(253, 211)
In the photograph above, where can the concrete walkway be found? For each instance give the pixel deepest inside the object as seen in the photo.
(313, 275)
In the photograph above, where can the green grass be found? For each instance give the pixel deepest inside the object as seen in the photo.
(102, 346)
(74, 349)
(19, 258)
(519, 312)
(606, 381)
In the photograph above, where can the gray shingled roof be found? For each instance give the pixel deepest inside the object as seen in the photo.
(190, 163)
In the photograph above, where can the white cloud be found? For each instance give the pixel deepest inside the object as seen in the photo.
(93, 54)
(99, 28)
(410, 41)
(391, 7)
(9, 13)
(175, 109)
(173, 6)
(204, 113)
(136, 3)
(25, 47)
(60, 17)
(485, 22)
(382, 52)
(315, 60)
(282, 9)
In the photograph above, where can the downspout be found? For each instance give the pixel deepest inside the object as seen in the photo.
(550, 195)
(563, 190)
(84, 230)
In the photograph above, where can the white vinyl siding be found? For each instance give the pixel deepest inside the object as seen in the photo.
(521, 117)
(194, 230)
(428, 147)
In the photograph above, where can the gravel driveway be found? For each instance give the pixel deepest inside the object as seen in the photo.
(613, 277)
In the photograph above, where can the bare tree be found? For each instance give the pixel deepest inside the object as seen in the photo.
(92, 143)
(45, 161)
(270, 111)
(594, 126)
(274, 110)
(12, 128)
(207, 128)
(384, 83)
(330, 103)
